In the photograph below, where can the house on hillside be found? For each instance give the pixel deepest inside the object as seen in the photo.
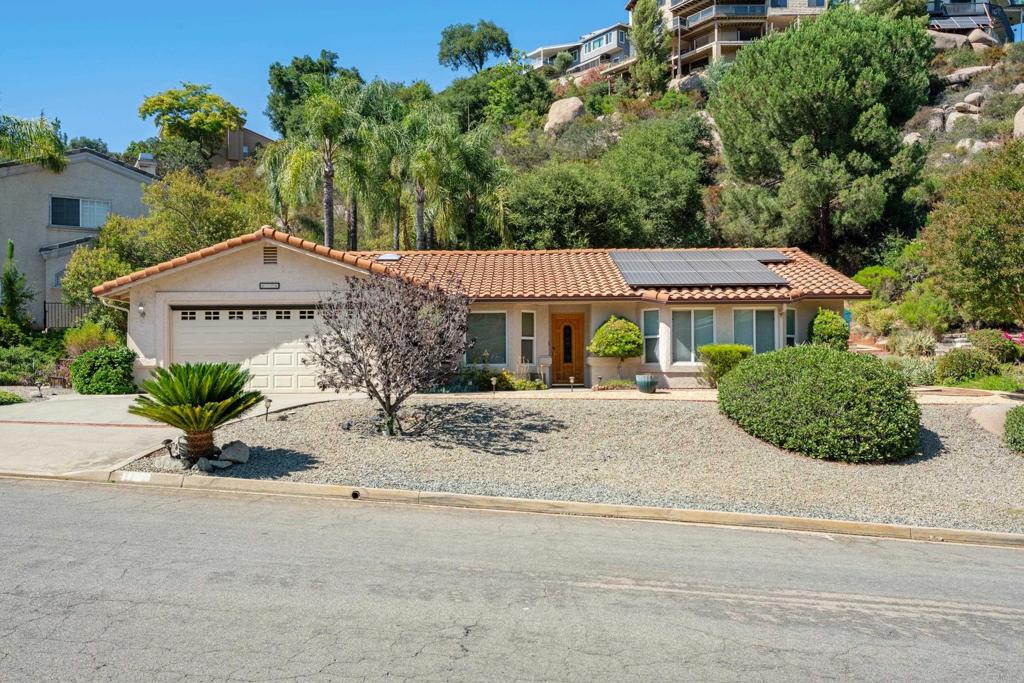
(604, 47)
(49, 215)
(253, 300)
(238, 146)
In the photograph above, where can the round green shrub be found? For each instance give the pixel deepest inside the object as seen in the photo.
(823, 403)
(617, 338)
(880, 280)
(719, 359)
(8, 399)
(962, 365)
(881, 322)
(1013, 432)
(11, 333)
(994, 343)
(104, 370)
(829, 328)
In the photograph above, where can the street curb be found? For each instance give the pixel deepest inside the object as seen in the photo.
(550, 507)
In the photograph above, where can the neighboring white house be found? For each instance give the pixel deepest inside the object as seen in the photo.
(49, 215)
(253, 300)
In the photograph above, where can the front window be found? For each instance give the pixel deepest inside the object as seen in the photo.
(754, 328)
(78, 213)
(790, 327)
(527, 337)
(487, 331)
(690, 331)
(651, 323)
(779, 3)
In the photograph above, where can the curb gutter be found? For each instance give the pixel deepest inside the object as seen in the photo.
(555, 507)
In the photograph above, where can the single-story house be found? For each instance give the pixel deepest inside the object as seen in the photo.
(253, 300)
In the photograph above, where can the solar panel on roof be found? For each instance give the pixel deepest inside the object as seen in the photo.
(709, 267)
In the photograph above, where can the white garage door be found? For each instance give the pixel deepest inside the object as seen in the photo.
(270, 342)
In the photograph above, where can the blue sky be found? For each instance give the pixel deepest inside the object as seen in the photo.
(90, 64)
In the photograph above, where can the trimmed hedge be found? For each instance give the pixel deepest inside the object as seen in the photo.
(961, 365)
(994, 343)
(823, 403)
(7, 398)
(718, 359)
(1013, 432)
(104, 370)
(830, 329)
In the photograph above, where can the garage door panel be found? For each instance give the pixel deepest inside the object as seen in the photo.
(270, 343)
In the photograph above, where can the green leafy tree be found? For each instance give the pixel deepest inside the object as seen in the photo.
(82, 142)
(811, 126)
(170, 155)
(15, 294)
(661, 165)
(895, 9)
(288, 87)
(467, 98)
(514, 90)
(974, 240)
(651, 45)
(193, 113)
(197, 399)
(415, 93)
(465, 45)
(617, 338)
(562, 62)
(35, 141)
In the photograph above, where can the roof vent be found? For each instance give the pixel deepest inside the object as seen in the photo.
(270, 256)
(390, 258)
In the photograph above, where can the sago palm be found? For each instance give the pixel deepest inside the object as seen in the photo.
(197, 399)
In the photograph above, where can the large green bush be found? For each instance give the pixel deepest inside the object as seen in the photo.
(719, 359)
(961, 365)
(11, 333)
(1013, 431)
(617, 338)
(829, 328)
(881, 280)
(924, 309)
(8, 399)
(918, 372)
(104, 370)
(995, 343)
(18, 364)
(823, 403)
(88, 336)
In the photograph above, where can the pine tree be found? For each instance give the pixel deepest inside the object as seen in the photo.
(651, 45)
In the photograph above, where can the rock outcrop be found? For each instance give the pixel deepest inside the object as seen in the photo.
(979, 37)
(562, 113)
(952, 119)
(965, 75)
(1018, 124)
(947, 41)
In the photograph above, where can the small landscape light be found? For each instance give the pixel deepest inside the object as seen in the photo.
(266, 412)
(572, 384)
(494, 385)
(167, 444)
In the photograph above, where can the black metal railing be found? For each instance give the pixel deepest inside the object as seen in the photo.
(60, 316)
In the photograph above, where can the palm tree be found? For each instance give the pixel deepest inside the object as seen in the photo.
(433, 135)
(272, 167)
(33, 141)
(196, 399)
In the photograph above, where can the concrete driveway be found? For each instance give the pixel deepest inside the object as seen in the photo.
(76, 433)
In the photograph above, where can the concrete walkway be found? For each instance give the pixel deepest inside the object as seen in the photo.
(74, 433)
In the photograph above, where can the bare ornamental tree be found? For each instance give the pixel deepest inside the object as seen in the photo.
(389, 337)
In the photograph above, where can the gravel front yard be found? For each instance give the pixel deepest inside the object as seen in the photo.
(673, 454)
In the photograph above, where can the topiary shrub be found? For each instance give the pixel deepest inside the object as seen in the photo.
(719, 359)
(961, 365)
(9, 399)
(829, 328)
(617, 338)
(104, 370)
(1013, 432)
(996, 344)
(823, 403)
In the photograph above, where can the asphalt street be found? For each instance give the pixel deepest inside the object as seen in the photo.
(114, 583)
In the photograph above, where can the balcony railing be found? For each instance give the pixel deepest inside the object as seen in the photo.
(718, 12)
(956, 9)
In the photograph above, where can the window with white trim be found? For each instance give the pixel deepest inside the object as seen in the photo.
(211, 315)
(651, 323)
(78, 213)
(188, 315)
(791, 327)
(259, 315)
(754, 327)
(527, 337)
(57, 277)
(235, 315)
(691, 329)
(487, 332)
(282, 315)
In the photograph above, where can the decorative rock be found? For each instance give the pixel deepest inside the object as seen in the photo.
(947, 41)
(912, 138)
(975, 99)
(1018, 89)
(965, 108)
(964, 145)
(957, 116)
(562, 113)
(166, 462)
(204, 465)
(979, 37)
(1018, 124)
(936, 122)
(221, 464)
(966, 74)
(236, 452)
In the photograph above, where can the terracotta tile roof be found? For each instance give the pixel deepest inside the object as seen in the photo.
(539, 275)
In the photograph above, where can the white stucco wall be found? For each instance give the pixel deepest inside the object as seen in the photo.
(25, 193)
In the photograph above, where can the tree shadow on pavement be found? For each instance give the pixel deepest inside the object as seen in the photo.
(493, 429)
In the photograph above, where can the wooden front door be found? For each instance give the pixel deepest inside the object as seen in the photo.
(567, 348)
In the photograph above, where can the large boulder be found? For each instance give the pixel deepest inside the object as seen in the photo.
(912, 138)
(1018, 89)
(979, 37)
(936, 121)
(688, 82)
(952, 119)
(966, 108)
(964, 145)
(975, 98)
(947, 41)
(562, 113)
(716, 139)
(965, 74)
(1018, 124)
